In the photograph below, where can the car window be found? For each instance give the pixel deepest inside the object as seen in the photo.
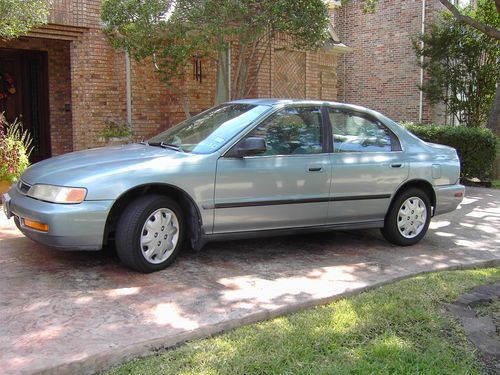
(354, 132)
(212, 129)
(292, 130)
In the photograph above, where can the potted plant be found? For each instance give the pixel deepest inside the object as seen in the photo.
(15, 149)
(115, 133)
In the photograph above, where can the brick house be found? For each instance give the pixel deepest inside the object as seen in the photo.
(70, 82)
(382, 71)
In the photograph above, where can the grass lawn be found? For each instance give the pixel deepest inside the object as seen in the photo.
(395, 329)
(495, 184)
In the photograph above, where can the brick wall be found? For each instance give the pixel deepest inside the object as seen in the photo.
(155, 107)
(382, 71)
(59, 88)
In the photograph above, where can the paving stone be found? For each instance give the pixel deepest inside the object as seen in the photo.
(483, 325)
(466, 299)
(481, 331)
(460, 311)
(486, 344)
(489, 289)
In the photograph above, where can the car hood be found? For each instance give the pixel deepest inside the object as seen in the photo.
(61, 170)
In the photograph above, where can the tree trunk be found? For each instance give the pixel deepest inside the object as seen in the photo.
(185, 104)
(494, 124)
(222, 81)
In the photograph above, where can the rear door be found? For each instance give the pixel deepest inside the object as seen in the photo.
(368, 165)
(287, 186)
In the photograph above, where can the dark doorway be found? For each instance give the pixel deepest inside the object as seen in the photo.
(24, 95)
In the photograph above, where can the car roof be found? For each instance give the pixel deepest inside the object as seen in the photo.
(273, 102)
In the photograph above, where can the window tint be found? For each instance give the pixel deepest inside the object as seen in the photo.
(293, 130)
(355, 133)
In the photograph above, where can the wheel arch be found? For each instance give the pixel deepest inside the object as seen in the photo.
(423, 185)
(188, 206)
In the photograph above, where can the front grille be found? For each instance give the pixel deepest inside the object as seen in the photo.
(23, 186)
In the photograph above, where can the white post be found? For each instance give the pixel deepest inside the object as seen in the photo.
(128, 88)
(229, 72)
(421, 107)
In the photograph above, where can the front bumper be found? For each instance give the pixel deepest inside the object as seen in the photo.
(71, 226)
(448, 198)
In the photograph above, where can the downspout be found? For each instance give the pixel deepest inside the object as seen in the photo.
(344, 77)
(422, 45)
(229, 73)
(128, 88)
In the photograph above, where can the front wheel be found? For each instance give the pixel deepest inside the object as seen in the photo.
(408, 218)
(149, 233)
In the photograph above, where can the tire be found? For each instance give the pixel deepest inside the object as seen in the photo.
(150, 233)
(404, 230)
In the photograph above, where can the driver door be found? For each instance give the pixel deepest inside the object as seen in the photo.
(287, 186)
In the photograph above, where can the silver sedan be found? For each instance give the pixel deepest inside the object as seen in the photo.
(242, 169)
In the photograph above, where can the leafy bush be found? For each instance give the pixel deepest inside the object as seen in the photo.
(476, 147)
(15, 149)
(115, 129)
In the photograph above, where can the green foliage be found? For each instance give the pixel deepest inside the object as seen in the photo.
(171, 33)
(462, 64)
(476, 147)
(17, 17)
(115, 129)
(15, 149)
(155, 29)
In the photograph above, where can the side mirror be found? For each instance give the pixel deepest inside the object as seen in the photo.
(247, 147)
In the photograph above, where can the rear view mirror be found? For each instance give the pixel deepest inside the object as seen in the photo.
(248, 147)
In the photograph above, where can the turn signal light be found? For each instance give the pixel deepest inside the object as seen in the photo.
(76, 195)
(459, 195)
(36, 225)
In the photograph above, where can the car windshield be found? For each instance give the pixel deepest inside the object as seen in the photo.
(210, 130)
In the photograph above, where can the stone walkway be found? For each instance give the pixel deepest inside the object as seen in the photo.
(480, 330)
(69, 313)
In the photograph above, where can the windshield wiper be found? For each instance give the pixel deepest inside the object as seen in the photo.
(165, 145)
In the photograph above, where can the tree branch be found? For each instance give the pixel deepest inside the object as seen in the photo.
(486, 29)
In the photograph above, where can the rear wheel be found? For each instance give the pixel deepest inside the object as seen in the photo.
(408, 218)
(149, 233)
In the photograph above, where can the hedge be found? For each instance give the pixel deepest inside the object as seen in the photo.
(476, 147)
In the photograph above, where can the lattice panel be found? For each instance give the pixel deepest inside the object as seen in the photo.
(72, 12)
(289, 74)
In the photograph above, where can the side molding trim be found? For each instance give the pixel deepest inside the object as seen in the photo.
(279, 202)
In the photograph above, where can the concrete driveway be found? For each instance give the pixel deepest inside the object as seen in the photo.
(82, 312)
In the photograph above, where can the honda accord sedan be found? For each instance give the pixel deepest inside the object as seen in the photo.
(242, 169)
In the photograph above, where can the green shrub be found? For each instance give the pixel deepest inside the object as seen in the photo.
(115, 129)
(15, 149)
(476, 147)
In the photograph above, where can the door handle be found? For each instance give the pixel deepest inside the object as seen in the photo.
(396, 165)
(315, 169)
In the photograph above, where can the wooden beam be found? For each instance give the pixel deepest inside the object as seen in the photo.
(54, 31)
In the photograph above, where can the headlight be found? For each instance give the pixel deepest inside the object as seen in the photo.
(57, 194)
